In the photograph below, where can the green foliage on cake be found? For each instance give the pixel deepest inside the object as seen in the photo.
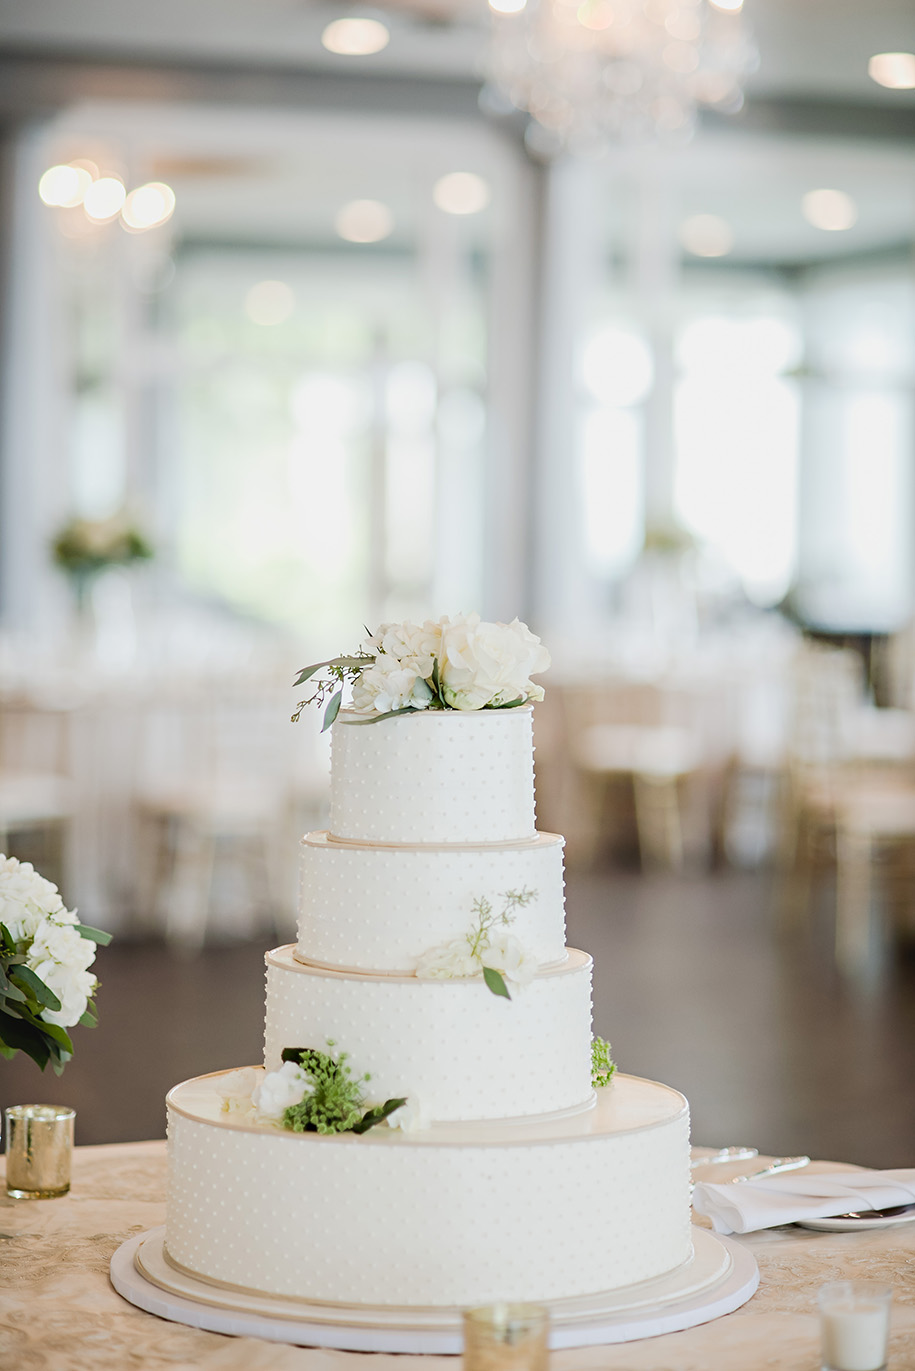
(602, 1064)
(332, 1101)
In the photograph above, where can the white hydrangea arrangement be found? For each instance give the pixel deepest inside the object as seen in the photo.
(46, 986)
(486, 950)
(461, 663)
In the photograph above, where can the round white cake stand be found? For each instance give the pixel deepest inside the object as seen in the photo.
(719, 1278)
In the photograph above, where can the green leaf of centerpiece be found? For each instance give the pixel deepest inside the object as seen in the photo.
(496, 982)
(377, 1115)
(25, 978)
(94, 935)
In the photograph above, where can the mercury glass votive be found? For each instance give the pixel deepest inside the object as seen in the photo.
(854, 1325)
(39, 1148)
(506, 1337)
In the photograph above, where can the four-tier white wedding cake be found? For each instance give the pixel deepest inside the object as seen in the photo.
(431, 959)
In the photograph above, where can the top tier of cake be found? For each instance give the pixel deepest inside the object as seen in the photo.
(435, 776)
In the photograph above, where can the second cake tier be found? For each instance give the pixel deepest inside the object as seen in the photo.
(458, 1050)
(375, 908)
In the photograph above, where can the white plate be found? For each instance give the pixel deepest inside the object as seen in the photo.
(844, 1224)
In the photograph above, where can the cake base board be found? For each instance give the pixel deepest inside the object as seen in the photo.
(721, 1276)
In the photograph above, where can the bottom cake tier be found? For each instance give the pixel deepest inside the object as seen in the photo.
(454, 1215)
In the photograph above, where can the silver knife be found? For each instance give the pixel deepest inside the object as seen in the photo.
(780, 1164)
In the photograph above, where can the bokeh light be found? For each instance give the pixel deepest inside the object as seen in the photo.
(461, 192)
(364, 221)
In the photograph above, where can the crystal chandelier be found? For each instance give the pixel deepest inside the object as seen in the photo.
(592, 73)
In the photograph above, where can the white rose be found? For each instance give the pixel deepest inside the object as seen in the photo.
(71, 986)
(237, 1088)
(489, 664)
(450, 962)
(278, 1090)
(506, 954)
(410, 1117)
(389, 684)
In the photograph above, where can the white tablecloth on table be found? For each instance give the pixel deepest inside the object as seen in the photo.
(58, 1311)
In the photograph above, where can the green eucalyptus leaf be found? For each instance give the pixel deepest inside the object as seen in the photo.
(88, 1019)
(94, 935)
(17, 1036)
(332, 710)
(308, 671)
(375, 1116)
(509, 704)
(496, 982)
(26, 979)
(9, 942)
(11, 991)
(377, 718)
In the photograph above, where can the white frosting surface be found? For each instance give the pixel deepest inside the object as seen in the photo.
(462, 1051)
(435, 776)
(449, 1216)
(379, 908)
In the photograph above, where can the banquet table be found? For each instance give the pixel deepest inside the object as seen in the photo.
(58, 1311)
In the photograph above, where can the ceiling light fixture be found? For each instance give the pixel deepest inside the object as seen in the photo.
(355, 37)
(461, 192)
(364, 221)
(104, 198)
(831, 210)
(148, 206)
(596, 72)
(895, 70)
(269, 303)
(65, 186)
(706, 235)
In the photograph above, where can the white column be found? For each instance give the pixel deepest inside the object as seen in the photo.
(571, 270)
(32, 428)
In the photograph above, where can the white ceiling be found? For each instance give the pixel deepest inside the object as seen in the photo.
(807, 47)
(280, 176)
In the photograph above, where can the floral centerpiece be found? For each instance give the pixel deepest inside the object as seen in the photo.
(86, 547)
(463, 663)
(46, 986)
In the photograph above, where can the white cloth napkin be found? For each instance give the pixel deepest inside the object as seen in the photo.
(792, 1195)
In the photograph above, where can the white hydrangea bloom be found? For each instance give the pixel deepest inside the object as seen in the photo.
(278, 1090)
(506, 954)
(72, 987)
(450, 962)
(391, 684)
(26, 899)
(419, 643)
(489, 664)
(34, 913)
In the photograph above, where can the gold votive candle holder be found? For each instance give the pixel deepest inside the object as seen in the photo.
(506, 1337)
(39, 1149)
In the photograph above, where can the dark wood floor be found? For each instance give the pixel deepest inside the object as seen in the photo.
(691, 986)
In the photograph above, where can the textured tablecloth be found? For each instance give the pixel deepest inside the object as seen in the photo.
(58, 1311)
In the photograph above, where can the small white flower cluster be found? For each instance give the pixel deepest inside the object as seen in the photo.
(34, 914)
(480, 665)
(263, 1097)
(456, 960)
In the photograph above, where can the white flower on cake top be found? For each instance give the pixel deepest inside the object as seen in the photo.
(463, 663)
